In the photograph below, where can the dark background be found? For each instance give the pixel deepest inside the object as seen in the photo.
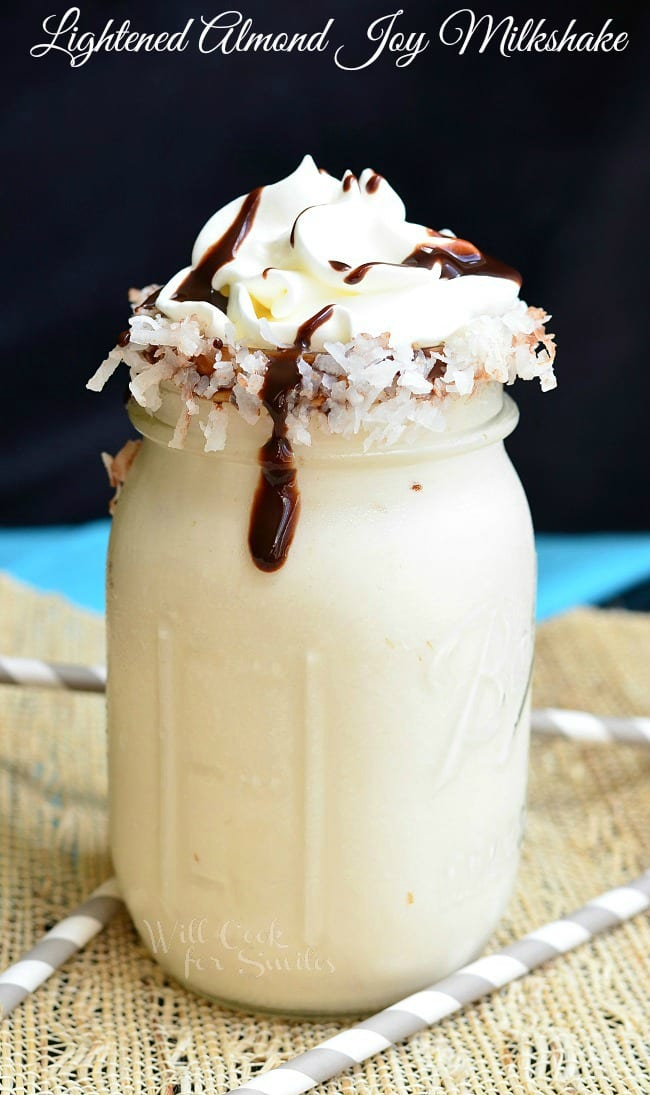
(111, 169)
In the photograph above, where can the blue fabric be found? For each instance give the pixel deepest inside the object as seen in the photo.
(573, 570)
(59, 559)
(588, 569)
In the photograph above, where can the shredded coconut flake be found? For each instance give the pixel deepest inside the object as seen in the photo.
(118, 467)
(215, 429)
(364, 385)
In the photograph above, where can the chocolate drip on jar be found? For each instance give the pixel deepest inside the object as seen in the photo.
(277, 502)
(276, 505)
(197, 285)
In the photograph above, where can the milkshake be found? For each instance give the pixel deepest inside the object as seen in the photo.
(320, 601)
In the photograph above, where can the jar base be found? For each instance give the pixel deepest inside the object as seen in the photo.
(279, 1012)
(307, 1014)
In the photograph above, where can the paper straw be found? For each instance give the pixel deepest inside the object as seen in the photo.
(574, 725)
(57, 945)
(419, 1011)
(581, 726)
(409, 1016)
(32, 671)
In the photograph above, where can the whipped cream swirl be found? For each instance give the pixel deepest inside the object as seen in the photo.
(313, 259)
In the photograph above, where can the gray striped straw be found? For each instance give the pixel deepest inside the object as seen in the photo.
(581, 726)
(40, 674)
(409, 1016)
(419, 1011)
(573, 725)
(57, 945)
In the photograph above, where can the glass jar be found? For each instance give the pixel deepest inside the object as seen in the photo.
(317, 775)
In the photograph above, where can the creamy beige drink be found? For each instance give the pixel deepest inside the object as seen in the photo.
(320, 602)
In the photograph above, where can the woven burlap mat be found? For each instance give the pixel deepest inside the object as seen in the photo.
(111, 1023)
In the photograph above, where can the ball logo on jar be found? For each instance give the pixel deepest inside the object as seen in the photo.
(480, 674)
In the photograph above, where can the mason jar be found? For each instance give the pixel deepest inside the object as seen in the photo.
(317, 775)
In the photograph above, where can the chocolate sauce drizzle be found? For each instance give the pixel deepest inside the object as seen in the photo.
(459, 259)
(276, 505)
(292, 234)
(150, 301)
(198, 283)
(307, 330)
(359, 272)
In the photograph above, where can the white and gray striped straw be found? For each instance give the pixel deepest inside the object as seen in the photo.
(41, 674)
(581, 726)
(419, 1011)
(409, 1016)
(574, 725)
(57, 945)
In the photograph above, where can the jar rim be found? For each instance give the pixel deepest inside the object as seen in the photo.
(487, 416)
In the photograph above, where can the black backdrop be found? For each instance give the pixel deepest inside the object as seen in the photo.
(110, 170)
